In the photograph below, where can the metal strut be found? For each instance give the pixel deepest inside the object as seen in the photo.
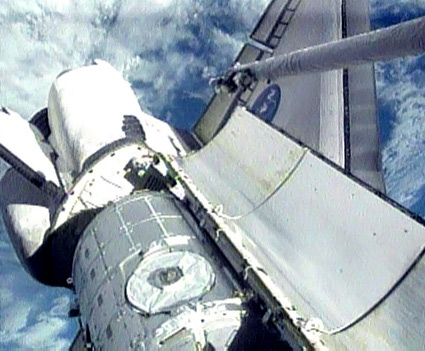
(39, 181)
(400, 40)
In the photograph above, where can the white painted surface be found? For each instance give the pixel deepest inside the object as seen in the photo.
(311, 107)
(16, 135)
(331, 134)
(314, 235)
(235, 162)
(86, 112)
(102, 183)
(197, 279)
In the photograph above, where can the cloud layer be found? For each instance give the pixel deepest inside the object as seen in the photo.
(168, 49)
(32, 316)
(401, 103)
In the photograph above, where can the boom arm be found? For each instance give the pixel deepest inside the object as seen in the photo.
(400, 40)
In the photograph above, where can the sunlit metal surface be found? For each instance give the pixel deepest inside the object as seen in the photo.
(311, 226)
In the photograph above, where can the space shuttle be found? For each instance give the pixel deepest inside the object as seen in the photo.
(266, 226)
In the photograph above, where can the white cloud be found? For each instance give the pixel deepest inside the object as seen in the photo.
(165, 58)
(401, 96)
(165, 47)
(32, 316)
(401, 91)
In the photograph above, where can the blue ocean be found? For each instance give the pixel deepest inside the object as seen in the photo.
(168, 50)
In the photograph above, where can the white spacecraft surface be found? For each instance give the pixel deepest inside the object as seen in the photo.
(267, 221)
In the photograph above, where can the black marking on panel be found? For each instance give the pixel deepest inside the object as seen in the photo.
(346, 96)
(132, 128)
(100, 300)
(344, 18)
(347, 139)
(109, 333)
(187, 139)
(104, 151)
(41, 122)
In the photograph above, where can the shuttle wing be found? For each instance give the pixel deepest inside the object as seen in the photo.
(333, 112)
(291, 168)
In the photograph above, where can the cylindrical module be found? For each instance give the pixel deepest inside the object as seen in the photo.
(147, 279)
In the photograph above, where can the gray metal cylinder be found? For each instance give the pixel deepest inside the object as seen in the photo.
(147, 280)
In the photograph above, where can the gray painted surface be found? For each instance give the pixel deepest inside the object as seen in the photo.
(365, 158)
(126, 234)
